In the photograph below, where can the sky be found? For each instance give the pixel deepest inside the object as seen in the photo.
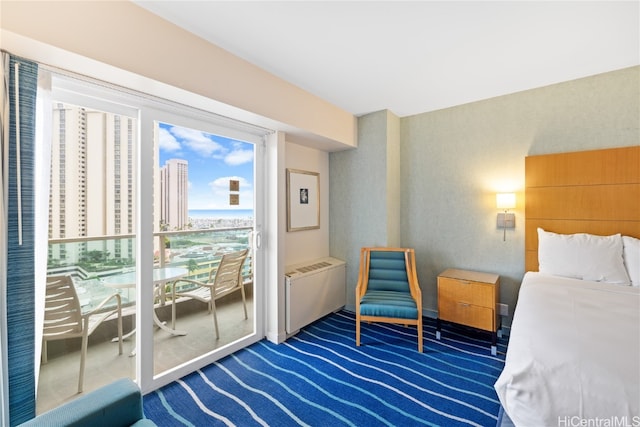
(213, 161)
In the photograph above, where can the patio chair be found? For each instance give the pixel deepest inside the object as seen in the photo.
(387, 290)
(223, 280)
(63, 318)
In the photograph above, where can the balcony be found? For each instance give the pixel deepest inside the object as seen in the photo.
(90, 263)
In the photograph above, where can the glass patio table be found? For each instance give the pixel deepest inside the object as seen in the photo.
(161, 276)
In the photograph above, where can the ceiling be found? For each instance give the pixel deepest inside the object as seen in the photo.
(417, 56)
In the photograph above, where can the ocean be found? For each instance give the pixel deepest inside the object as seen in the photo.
(221, 213)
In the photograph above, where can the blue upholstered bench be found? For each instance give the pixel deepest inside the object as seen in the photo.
(114, 405)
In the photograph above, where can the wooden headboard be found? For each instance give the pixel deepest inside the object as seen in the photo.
(596, 192)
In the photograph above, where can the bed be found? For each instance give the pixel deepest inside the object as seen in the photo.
(574, 348)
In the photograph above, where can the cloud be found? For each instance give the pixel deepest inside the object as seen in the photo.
(197, 141)
(167, 142)
(238, 157)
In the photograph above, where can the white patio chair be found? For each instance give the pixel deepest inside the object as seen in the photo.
(223, 280)
(63, 318)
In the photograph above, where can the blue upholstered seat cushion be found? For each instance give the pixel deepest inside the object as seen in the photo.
(388, 293)
(388, 304)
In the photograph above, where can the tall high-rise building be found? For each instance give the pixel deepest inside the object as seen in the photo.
(174, 190)
(93, 185)
(92, 191)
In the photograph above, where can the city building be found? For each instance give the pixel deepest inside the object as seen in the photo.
(100, 203)
(174, 189)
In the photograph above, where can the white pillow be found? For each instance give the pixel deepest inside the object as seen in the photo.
(582, 256)
(631, 247)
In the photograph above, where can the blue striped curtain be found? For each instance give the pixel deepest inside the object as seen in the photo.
(19, 211)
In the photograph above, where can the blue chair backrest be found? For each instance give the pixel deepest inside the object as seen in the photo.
(388, 271)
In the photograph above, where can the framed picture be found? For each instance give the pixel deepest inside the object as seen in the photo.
(303, 200)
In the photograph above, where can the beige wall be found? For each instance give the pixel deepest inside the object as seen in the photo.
(307, 245)
(144, 52)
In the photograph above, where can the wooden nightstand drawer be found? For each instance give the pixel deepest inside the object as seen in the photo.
(468, 314)
(467, 291)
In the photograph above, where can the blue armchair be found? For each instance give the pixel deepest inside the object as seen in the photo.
(388, 290)
(118, 404)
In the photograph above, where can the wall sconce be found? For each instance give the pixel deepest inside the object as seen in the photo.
(506, 201)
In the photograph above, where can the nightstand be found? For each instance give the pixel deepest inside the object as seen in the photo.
(469, 298)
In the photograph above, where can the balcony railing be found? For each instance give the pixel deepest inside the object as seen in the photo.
(89, 260)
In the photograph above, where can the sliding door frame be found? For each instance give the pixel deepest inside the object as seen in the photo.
(148, 111)
(150, 117)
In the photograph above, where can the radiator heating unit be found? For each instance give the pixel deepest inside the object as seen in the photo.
(313, 290)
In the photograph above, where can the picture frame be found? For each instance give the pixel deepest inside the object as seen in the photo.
(303, 200)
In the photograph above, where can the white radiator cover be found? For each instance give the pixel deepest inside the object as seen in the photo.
(314, 289)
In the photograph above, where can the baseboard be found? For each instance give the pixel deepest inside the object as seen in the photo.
(431, 314)
(277, 337)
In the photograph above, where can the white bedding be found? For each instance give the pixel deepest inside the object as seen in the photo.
(573, 354)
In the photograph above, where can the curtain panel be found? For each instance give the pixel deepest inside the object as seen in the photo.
(18, 146)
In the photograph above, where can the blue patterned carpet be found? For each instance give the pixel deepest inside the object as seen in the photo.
(320, 378)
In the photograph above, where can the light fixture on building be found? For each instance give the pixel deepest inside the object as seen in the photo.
(504, 202)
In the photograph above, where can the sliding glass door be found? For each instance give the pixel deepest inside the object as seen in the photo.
(146, 199)
(204, 214)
